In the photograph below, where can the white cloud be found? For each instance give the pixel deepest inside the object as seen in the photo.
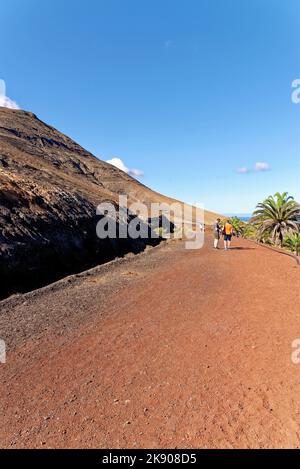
(262, 166)
(118, 163)
(5, 101)
(243, 170)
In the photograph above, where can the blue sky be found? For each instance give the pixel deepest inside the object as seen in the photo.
(186, 91)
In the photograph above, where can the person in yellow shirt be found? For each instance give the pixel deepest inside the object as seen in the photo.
(227, 232)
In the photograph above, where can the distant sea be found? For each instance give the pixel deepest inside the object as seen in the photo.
(243, 216)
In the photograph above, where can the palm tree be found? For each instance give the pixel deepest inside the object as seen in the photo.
(277, 215)
(292, 242)
(250, 231)
(237, 224)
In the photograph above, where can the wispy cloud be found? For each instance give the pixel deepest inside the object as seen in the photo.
(259, 166)
(243, 170)
(262, 166)
(168, 44)
(136, 172)
(5, 101)
(118, 163)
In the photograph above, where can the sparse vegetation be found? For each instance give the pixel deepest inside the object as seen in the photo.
(238, 225)
(292, 243)
(161, 232)
(277, 216)
(276, 222)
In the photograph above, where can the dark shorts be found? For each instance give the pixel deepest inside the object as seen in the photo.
(227, 237)
(216, 235)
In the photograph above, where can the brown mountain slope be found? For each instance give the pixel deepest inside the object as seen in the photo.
(49, 190)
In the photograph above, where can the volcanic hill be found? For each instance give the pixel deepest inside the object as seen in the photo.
(49, 189)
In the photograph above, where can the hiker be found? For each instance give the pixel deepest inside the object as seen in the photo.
(227, 232)
(217, 233)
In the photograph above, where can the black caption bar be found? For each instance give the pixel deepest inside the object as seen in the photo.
(149, 458)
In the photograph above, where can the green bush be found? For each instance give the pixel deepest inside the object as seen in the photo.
(292, 242)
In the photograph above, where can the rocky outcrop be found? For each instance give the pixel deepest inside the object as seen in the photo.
(49, 190)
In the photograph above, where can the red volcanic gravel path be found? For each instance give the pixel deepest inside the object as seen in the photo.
(171, 348)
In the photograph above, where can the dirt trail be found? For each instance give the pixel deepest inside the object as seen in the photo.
(172, 348)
